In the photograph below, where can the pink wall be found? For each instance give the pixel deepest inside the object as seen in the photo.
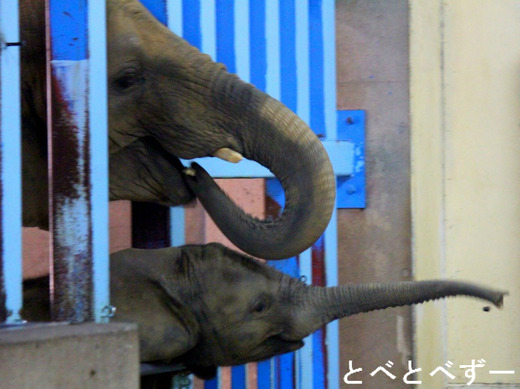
(36, 241)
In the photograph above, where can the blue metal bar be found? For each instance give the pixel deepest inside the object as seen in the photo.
(351, 188)
(191, 22)
(212, 384)
(238, 377)
(157, 8)
(10, 165)
(287, 369)
(78, 203)
(264, 375)
(317, 66)
(318, 366)
(226, 34)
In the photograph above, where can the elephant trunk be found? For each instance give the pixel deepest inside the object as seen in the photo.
(272, 135)
(324, 305)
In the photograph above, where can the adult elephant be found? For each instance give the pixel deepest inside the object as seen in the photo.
(168, 101)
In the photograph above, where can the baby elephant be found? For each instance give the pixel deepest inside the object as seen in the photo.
(208, 306)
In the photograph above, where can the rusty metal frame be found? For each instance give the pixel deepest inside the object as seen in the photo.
(78, 159)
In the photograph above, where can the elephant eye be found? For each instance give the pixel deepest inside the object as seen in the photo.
(127, 78)
(260, 306)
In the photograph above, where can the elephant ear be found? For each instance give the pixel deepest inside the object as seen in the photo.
(141, 291)
(179, 329)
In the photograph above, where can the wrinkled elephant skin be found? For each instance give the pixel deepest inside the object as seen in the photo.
(168, 101)
(208, 306)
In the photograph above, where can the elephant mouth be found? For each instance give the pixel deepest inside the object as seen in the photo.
(274, 345)
(156, 175)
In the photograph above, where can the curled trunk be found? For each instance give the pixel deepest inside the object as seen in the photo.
(277, 139)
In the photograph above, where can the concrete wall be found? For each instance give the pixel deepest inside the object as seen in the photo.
(465, 110)
(374, 244)
(58, 356)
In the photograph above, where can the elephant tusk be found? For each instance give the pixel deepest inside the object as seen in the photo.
(228, 155)
(189, 172)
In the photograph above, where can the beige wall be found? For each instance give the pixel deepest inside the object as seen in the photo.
(465, 126)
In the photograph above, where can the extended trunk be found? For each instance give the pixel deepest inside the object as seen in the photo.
(324, 305)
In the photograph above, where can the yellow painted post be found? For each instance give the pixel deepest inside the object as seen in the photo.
(465, 109)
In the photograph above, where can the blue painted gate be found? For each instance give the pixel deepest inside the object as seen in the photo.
(287, 49)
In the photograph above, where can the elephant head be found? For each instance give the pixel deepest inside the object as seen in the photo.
(169, 101)
(208, 306)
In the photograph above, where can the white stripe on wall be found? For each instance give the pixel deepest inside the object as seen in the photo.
(11, 215)
(208, 28)
(242, 49)
(98, 123)
(174, 16)
(272, 32)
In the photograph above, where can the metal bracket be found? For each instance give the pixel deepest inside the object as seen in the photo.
(352, 189)
(4, 45)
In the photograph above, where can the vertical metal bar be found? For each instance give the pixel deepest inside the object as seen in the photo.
(177, 222)
(208, 28)
(10, 165)
(319, 277)
(331, 233)
(264, 375)
(288, 69)
(302, 59)
(329, 67)
(257, 37)
(272, 37)
(238, 377)
(226, 34)
(76, 153)
(332, 334)
(98, 119)
(242, 41)
(191, 22)
(305, 374)
(317, 119)
(157, 8)
(174, 13)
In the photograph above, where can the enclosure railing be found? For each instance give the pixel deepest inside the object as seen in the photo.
(78, 160)
(295, 64)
